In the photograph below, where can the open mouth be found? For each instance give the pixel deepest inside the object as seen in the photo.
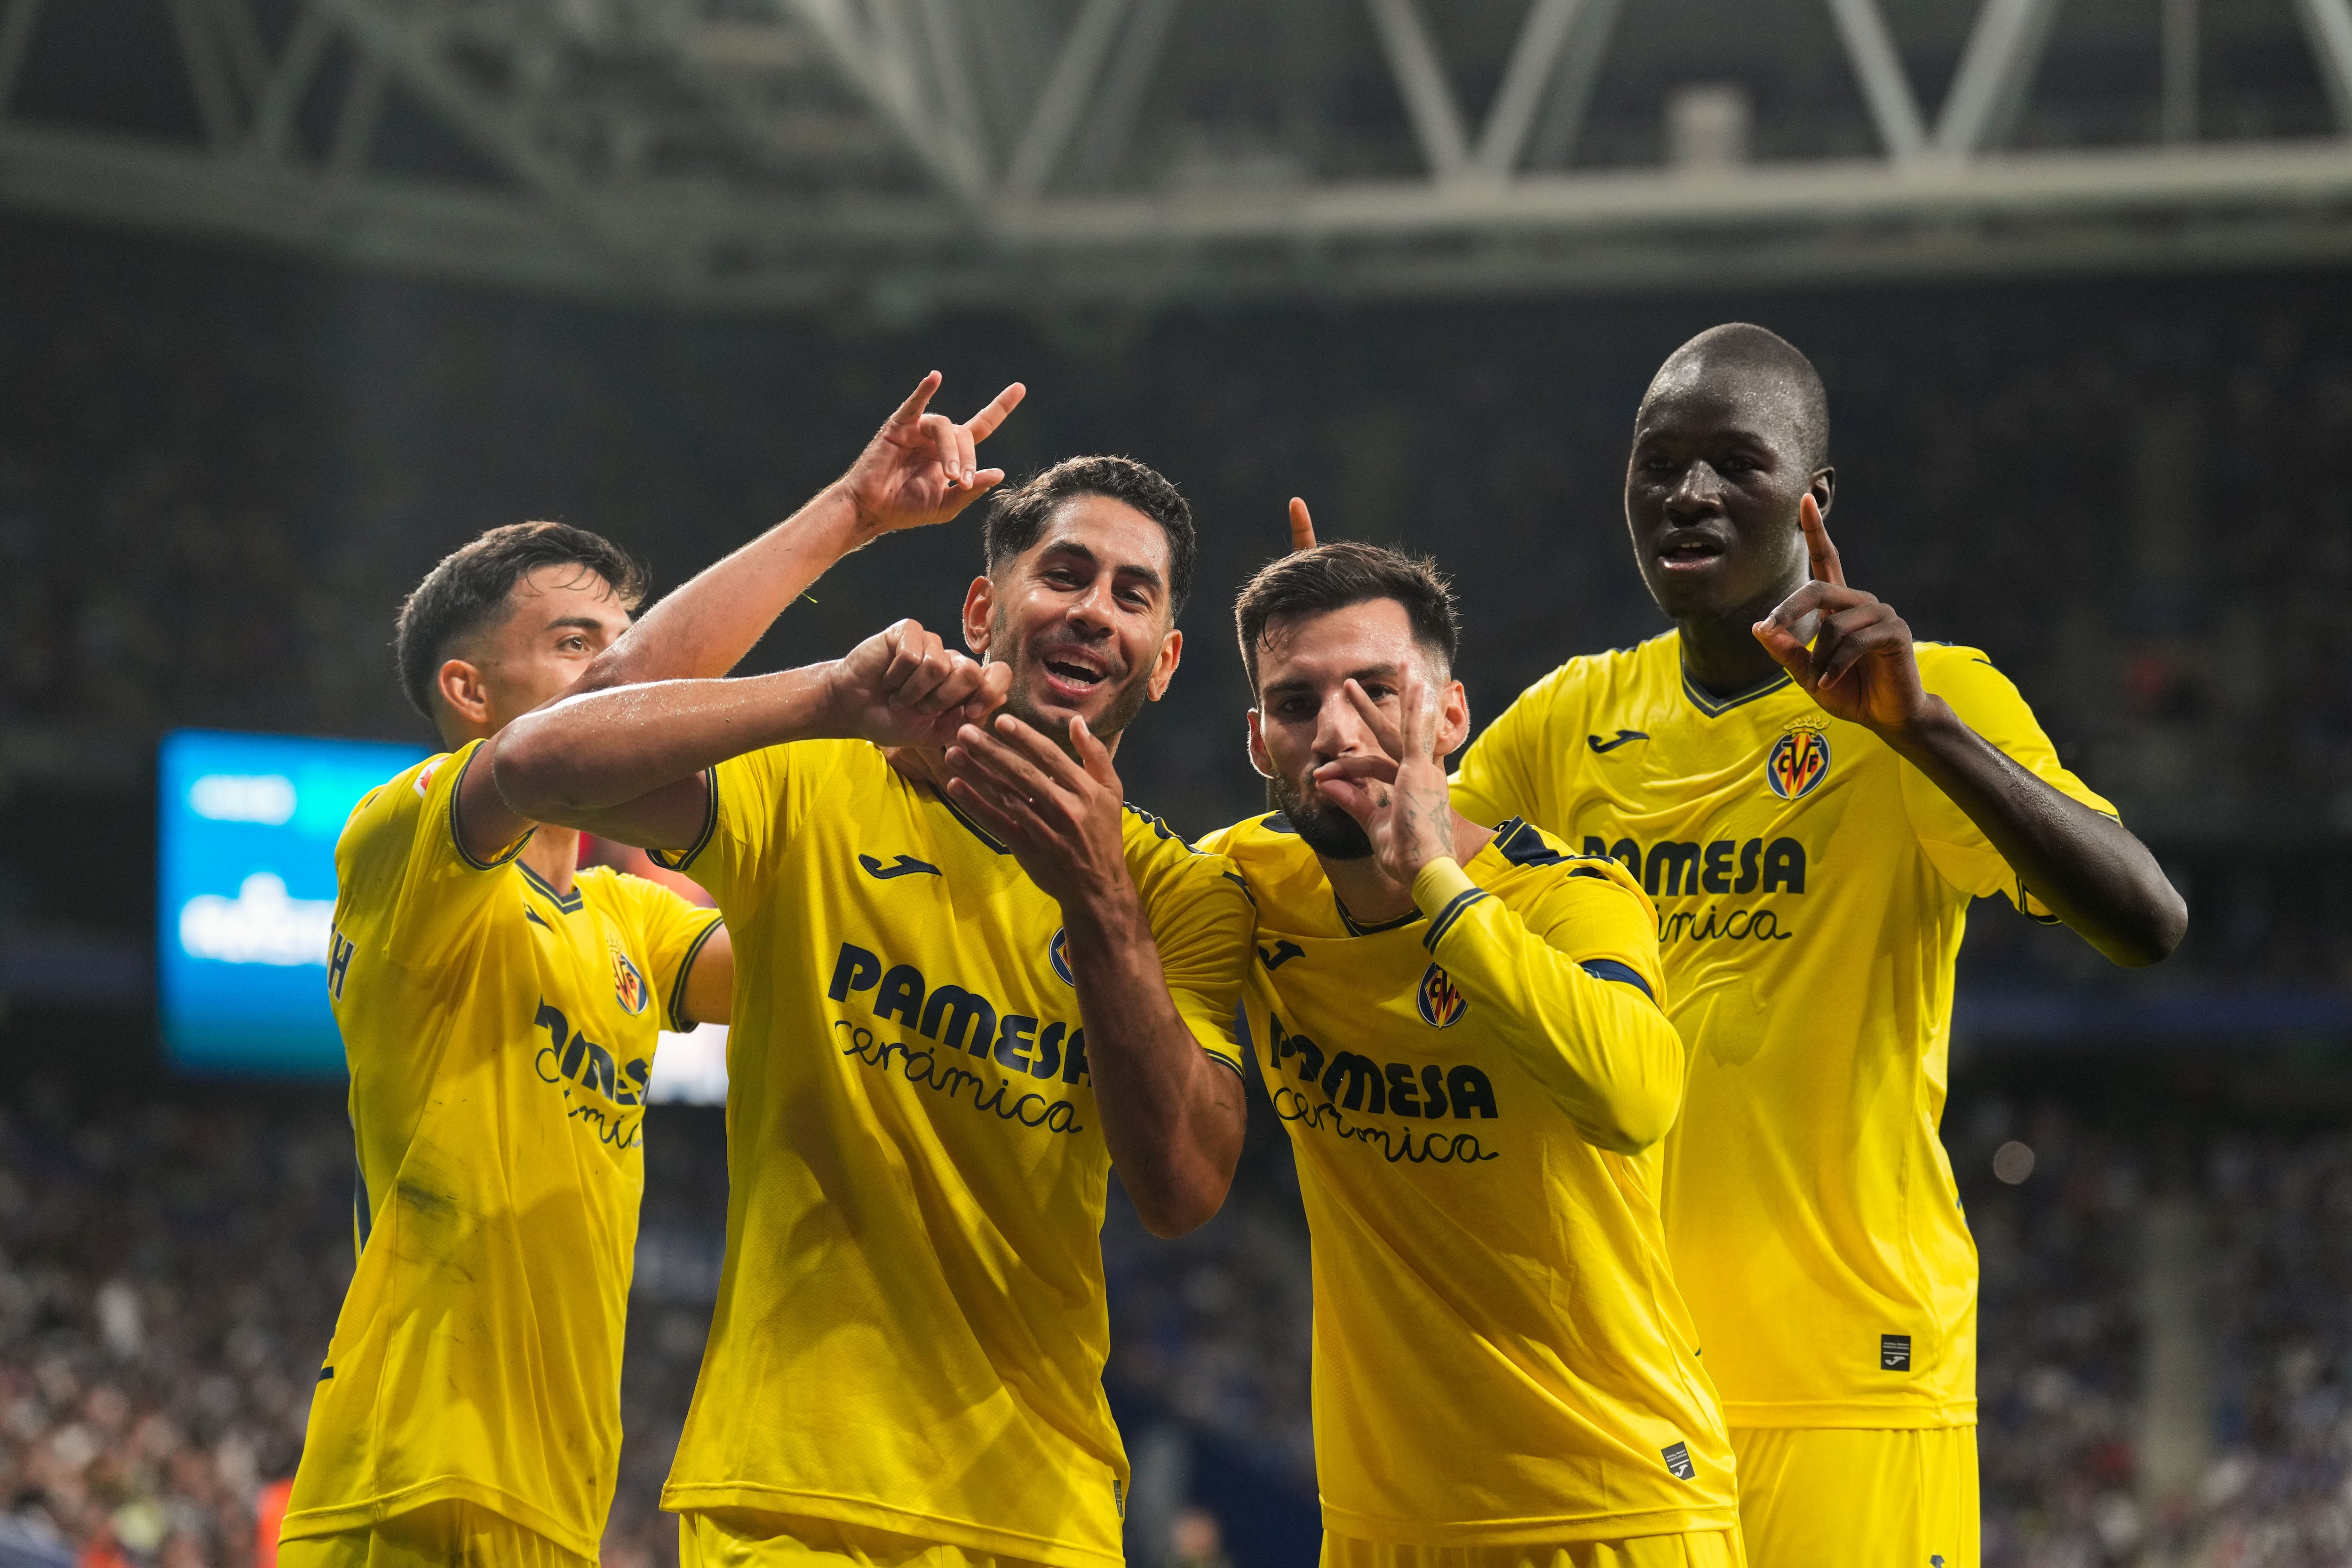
(1688, 552)
(1072, 673)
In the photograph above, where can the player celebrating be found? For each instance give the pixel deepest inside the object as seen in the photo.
(1459, 1026)
(498, 1011)
(945, 1035)
(1813, 800)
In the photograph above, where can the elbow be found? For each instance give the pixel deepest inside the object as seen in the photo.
(1177, 1208)
(526, 766)
(2157, 934)
(1634, 1120)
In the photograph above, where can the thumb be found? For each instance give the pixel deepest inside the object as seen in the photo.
(1787, 651)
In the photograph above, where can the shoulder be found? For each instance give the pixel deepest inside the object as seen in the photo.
(1962, 674)
(1577, 684)
(391, 811)
(1259, 845)
(1156, 849)
(1537, 867)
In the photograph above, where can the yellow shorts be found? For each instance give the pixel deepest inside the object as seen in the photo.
(1824, 1495)
(451, 1533)
(742, 1538)
(1704, 1549)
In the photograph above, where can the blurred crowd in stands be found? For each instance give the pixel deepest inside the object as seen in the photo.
(169, 1275)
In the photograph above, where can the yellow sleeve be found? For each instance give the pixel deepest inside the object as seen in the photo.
(1503, 774)
(1574, 989)
(406, 884)
(748, 823)
(673, 931)
(1989, 703)
(1203, 922)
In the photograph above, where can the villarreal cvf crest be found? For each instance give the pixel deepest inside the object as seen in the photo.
(629, 986)
(1799, 761)
(1442, 1001)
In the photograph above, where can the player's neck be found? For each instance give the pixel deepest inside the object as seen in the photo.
(1372, 896)
(554, 853)
(1720, 652)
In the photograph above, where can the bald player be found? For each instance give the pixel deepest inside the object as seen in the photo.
(1812, 799)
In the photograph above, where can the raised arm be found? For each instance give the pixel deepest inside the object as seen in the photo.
(920, 468)
(627, 763)
(1172, 1114)
(1589, 1029)
(1860, 667)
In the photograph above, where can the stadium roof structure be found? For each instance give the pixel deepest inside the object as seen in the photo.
(902, 155)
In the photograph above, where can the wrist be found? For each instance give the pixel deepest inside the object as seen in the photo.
(846, 520)
(1105, 912)
(1928, 724)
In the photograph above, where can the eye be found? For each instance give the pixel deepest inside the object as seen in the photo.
(1135, 597)
(1376, 690)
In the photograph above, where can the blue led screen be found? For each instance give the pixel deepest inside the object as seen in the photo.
(246, 879)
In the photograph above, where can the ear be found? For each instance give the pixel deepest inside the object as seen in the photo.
(978, 614)
(1163, 667)
(1825, 489)
(1452, 719)
(464, 691)
(1260, 759)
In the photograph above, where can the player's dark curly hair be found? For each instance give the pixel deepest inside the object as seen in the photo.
(1018, 518)
(467, 593)
(1344, 572)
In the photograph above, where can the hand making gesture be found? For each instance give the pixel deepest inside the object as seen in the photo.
(904, 686)
(1399, 793)
(1059, 815)
(1859, 665)
(921, 468)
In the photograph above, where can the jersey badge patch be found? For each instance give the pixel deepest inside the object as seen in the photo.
(1678, 1462)
(1798, 762)
(425, 777)
(1442, 1001)
(629, 984)
(1060, 953)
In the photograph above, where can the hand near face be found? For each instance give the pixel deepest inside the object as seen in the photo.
(904, 686)
(1398, 794)
(1058, 814)
(1860, 664)
(922, 468)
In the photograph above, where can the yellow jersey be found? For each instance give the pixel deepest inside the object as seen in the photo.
(499, 1038)
(910, 1328)
(1474, 1095)
(1812, 888)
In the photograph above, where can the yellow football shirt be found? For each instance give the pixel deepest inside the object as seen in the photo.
(500, 1037)
(1812, 887)
(910, 1328)
(1474, 1100)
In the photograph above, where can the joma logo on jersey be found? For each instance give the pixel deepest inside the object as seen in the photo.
(629, 986)
(961, 1019)
(1442, 1001)
(1798, 762)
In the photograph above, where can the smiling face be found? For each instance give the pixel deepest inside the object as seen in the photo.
(1721, 457)
(559, 618)
(1082, 616)
(1303, 717)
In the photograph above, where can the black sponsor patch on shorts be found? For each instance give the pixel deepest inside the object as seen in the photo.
(1894, 1352)
(1678, 1460)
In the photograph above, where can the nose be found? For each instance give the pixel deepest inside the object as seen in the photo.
(1698, 492)
(1338, 727)
(1091, 611)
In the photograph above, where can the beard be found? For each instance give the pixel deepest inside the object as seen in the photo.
(1127, 699)
(1328, 831)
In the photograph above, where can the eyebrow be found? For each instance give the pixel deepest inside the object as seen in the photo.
(580, 622)
(1072, 546)
(1370, 672)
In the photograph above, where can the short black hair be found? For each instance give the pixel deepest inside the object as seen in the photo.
(1797, 384)
(1344, 572)
(1018, 518)
(463, 595)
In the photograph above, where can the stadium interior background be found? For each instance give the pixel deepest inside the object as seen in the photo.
(2121, 471)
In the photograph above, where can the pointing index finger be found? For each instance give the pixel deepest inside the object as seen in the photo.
(1823, 554)
(983, 425)
(917, 400)
(1302, 526)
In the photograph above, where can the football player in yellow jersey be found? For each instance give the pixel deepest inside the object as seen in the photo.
(944, 1035)
(1461, 1028)
(498, 1011)
(1813, 799)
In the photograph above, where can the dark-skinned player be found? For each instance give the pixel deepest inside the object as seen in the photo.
(1813, 798)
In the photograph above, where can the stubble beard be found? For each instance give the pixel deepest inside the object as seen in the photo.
(1126, 701)
(1328, 831)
